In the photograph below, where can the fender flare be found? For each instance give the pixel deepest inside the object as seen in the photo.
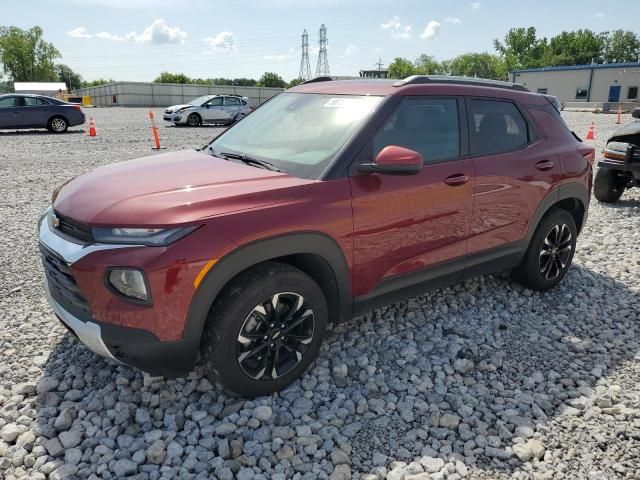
(573, 190)
(260, 251)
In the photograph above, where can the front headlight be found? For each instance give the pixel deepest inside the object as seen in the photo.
(140, 236)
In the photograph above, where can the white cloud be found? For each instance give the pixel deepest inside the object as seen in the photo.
(475, 6)
(454, 20)
(108, 36)
(158, 33)
(396, 28)
(222, 42)
(280, 57)
(598, 15)
(431, 30)
(80, 32)
(351, 50)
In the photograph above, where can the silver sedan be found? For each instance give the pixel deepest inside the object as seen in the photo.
(219, 109)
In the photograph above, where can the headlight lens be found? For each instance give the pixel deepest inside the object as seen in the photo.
(141, 236)
(130, 283)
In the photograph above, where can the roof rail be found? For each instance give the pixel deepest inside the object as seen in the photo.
(455, 80)
(317, 79)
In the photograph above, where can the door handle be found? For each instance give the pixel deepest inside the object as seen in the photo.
(544, 165)
(457, 179)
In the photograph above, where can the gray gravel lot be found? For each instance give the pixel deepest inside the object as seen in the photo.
(481, 380)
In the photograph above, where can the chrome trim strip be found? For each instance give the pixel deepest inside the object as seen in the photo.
(89, 333)
(69, 251)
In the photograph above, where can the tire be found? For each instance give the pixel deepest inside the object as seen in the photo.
(608, 187)
(57, 125)
(239, 346)
(559, 230)
(194, 120)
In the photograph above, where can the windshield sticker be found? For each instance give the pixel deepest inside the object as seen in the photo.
(342, 102)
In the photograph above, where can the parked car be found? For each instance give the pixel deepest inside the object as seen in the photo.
(620, 168)
(37, 111)
(332, 198)
(220, 109)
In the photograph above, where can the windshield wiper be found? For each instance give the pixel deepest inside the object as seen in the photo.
(251, 161)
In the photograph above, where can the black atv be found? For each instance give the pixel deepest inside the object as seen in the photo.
(620, 168)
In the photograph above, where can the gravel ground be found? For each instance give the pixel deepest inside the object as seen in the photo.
(481, 380)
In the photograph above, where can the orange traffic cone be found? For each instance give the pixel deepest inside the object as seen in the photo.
(619, 114)
(92, 127)
(591, 134)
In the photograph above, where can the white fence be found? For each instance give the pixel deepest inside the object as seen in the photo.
(140, 94)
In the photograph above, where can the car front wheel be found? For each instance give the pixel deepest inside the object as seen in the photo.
(194, 120)
(550, 252)
(265, 329)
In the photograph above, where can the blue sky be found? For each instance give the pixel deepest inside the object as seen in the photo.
(137, 39)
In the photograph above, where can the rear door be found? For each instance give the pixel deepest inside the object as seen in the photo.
(10, 116)
(35, 112)
(515, 169)
(231, 107)
(405, 224)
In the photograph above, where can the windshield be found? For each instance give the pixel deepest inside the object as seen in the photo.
(298, 133)
(200, 100)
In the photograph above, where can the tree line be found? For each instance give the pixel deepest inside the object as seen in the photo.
(521, 49)
(268, 79)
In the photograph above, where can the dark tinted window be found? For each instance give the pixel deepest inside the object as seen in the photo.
(633, 93)
(428, 126)
(215, 102)
(30, 101)
(8, 102)
(42, 101)
(582, 92)
(232, 101)
(496, 127)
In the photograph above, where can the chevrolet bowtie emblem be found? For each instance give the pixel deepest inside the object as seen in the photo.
(55, 221)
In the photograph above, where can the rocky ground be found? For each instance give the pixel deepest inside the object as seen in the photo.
(481, 380)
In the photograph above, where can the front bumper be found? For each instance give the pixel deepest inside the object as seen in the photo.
(131, 346)
(620, 165)
(174, 117)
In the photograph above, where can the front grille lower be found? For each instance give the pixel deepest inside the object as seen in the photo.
(73, 229)
(62, 285)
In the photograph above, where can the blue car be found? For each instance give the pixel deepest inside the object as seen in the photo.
(38, 111)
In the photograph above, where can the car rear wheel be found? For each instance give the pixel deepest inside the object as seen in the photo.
(194, 120)
(550, 252)
(608, 185)
(265, 329)
(58, 125)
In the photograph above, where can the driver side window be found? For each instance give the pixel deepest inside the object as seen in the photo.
(215, 102)
(8, 102)
(427, 126)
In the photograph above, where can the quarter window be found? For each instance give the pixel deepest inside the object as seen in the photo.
(428, 126)
(496, 127)
(632, 94)
(232, 101)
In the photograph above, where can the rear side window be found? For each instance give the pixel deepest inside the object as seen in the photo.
(233, 101)
(496, 127)
(42, 101)
(428, 126)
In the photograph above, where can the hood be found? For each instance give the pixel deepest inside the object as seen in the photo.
(632, 128)
(173, 108)
(171, 189)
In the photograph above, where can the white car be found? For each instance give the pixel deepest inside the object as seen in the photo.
(220, 109)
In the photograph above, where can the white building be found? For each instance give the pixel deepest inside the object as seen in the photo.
(606, 83)
(49, 89)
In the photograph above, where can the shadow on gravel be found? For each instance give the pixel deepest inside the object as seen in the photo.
(461, 373)
(24, 133)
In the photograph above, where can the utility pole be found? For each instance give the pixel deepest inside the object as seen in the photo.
(305, 69)
(322, 70)
(379, 64)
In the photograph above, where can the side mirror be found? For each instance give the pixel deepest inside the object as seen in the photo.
(394, 160)
(636, 113)
(207, 105)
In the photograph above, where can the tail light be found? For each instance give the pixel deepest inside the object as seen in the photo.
(77, 107)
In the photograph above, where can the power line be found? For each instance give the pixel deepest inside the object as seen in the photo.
(322, 70)
(305, 69)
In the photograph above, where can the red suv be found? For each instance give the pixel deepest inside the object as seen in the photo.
(330, 199)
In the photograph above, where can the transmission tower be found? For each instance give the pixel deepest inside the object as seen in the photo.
(322, 70)
(305, 69)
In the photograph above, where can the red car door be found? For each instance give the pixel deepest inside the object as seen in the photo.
(403, 224)
(515, 169)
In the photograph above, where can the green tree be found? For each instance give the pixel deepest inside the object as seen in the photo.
(168, 77)
(67, 75)
(98, 82)
(621, 46)
(578, 47)
(428, 65)
(294, 82)
(270, 79)
(482, 65)
(401, 68)
(25, 56)
(521, 48)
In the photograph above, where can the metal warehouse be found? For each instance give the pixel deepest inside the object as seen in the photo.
(602, 84)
